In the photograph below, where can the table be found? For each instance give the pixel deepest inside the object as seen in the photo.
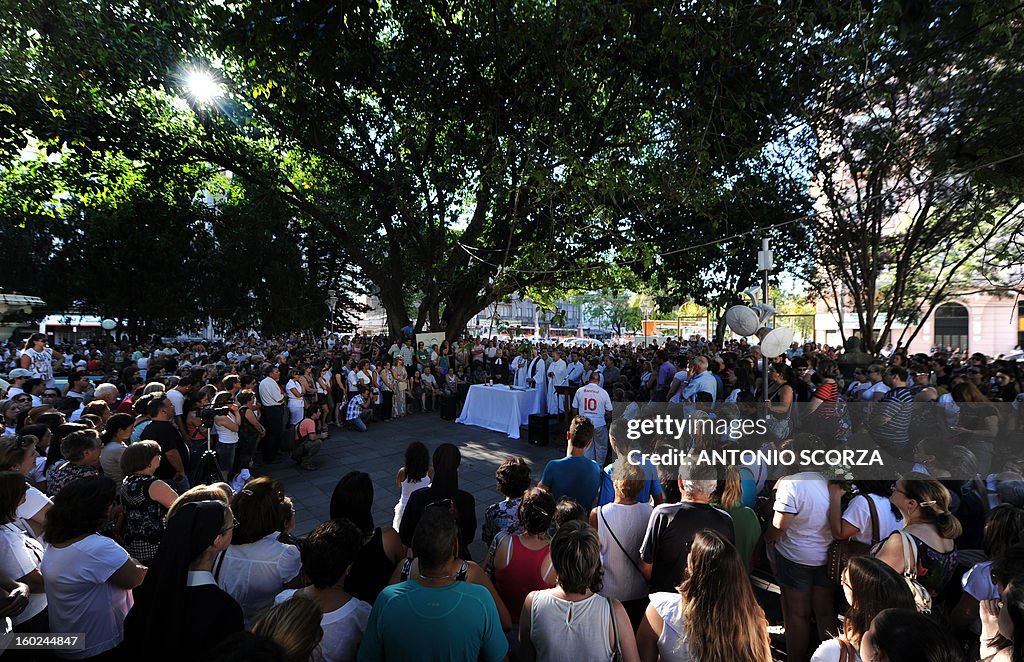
(498, 408)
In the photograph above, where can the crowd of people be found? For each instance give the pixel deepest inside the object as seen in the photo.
(140, 507)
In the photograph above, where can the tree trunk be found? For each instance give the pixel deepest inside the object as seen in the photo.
(393, 301)
(456, 317)
(720, 327)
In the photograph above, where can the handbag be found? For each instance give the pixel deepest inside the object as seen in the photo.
(617, 650)
(922, 598)
(841, 551)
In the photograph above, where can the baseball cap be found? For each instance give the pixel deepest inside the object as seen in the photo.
(20, 372)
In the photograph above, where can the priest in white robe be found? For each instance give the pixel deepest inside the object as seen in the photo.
(574, 372)
(537, 380)
(518, 367)
(556, 377)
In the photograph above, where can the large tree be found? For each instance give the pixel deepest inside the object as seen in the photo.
(918, 164)
(458, 153)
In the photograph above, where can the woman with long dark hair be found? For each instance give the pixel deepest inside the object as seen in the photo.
(382, 548)
(999, 626)
(114, 439)
(904, 635)
(697, 623)
(180, 613)
(870, 586)
(445, 486)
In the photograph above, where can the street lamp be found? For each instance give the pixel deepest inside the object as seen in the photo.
(332, 302)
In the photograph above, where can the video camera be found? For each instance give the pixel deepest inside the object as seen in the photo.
(207, 414)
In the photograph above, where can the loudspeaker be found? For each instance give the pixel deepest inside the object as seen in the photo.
(447, 407)
(384, 408)
(537, 430)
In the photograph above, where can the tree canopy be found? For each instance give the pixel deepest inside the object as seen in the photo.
(451, 154)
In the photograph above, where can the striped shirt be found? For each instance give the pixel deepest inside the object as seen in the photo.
(896, 407)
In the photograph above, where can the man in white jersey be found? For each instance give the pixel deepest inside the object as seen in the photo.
(594, 403)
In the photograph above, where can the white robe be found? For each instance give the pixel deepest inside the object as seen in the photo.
(556, 377)
(519, 365)
(574, 373)
(540, 394)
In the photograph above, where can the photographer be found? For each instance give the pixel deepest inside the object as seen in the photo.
(308, 438)
(226, 421)
(359, 409)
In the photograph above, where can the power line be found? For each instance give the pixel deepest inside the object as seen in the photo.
(738, 235)
(806, 121)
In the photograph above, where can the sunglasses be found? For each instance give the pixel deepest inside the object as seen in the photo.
(234, 525)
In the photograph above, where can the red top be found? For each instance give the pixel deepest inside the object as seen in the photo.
(828, 393)
(524, 573)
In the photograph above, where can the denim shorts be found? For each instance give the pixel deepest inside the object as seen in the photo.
(798, 577)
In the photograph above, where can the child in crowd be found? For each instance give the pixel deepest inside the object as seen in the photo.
(415, 475)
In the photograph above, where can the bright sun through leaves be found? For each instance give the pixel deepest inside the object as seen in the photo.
(202, 87)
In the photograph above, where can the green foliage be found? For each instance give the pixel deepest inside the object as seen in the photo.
(919, 174)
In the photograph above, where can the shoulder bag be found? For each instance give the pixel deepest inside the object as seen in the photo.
(617, 649)
(922, 598)
(600, 510)
(841, 551)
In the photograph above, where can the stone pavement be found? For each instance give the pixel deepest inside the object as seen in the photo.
(380, 452)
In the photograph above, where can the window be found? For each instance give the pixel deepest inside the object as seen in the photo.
(952, 323)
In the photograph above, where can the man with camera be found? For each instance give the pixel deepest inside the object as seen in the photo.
(360, 408)
(307, 439)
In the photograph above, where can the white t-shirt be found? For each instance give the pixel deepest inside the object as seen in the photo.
(256, 572)
(20, 554)
(830, 651)
(177, 398)
(352, 380)
(42, 364)
(592, 401)
(34, 502)
(869, 392)
(672, 646)
(343, 628)
(293, 400)
(806, 540)
(81, 597)
(858, 514)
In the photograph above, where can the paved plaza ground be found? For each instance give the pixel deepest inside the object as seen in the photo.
(380, 453)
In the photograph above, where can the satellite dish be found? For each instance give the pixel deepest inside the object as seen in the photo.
(742, 320)
(775, 342)
(108, 325)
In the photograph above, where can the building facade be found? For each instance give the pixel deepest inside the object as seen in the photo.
(986, 323)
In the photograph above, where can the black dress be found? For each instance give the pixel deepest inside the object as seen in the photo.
(371, 570)
(210, 616)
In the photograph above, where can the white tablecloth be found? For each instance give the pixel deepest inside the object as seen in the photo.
(498, 408)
